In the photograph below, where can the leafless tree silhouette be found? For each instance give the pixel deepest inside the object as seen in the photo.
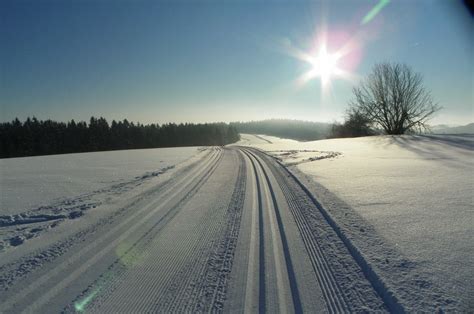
(393, 98)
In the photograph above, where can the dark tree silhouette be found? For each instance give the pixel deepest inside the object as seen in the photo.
(393, 98)
(34, 137)
(356, 124)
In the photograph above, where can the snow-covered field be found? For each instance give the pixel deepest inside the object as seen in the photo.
(417, 192)
(377, 224)
(38, 193)
(29, 182)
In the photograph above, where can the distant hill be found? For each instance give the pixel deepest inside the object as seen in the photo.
(464, 129)
(293, 129)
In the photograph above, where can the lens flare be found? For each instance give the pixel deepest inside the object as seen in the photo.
(374, 11)
(81, 305)
(328, 65)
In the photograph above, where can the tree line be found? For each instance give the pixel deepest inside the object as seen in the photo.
(45, 137)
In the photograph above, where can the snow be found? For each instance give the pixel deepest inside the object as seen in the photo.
(30, 182)
(40, 193)
(249, 139)
(417, 192)
(402, 206)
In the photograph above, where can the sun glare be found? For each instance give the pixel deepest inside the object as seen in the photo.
(325, 65)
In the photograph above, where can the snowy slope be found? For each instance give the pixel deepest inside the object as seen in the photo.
(39, 193)
(415, 193)
(29, 182)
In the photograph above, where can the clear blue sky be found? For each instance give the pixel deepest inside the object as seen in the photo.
(198, 61)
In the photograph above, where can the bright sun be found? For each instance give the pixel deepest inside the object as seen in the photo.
(325, 65)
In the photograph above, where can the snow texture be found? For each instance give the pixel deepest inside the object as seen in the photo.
(415, 193)
(38, 193)
(345, 225)
(28, 182)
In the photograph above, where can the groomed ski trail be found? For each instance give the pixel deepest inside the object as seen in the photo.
(233, 232)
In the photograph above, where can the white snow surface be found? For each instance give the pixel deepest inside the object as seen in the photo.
(417, 192)
(406, 203)
(30, 182)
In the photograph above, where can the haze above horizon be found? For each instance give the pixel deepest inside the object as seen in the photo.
(207, 61)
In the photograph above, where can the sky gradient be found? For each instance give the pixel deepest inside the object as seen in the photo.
(201, 61)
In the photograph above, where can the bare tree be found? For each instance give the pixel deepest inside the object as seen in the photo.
(393, 97)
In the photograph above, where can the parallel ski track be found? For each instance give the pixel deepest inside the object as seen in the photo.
(199, 267)
(332, 292)
(103, 245)
(335, 296)
(277, 228)
(249, 298)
